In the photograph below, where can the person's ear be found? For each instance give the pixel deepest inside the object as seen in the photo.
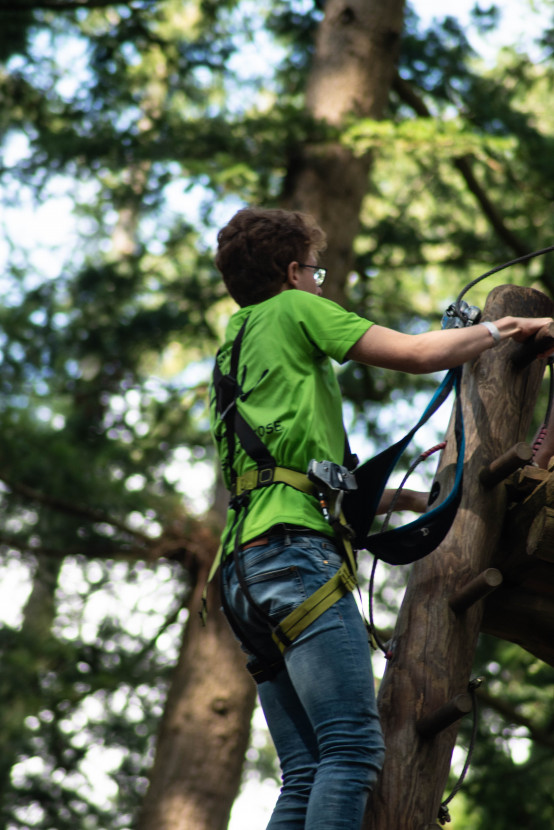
(293, 275)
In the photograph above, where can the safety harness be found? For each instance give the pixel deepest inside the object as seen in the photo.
(229, 390)
(348, 500)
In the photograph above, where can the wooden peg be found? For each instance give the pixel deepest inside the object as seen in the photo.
(499, 469)
(444, 716)
(476, 589)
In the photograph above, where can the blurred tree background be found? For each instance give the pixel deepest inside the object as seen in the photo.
(129, 133)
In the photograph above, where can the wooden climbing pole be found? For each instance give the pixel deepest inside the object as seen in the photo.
(425, 687)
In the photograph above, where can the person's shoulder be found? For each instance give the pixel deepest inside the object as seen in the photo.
(235, 322)
(285, 304)
(296, 308)
(297, 302)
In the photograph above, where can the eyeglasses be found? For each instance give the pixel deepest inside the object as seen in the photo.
(319, 273)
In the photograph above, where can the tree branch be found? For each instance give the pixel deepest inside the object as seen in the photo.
(510, 713)
(94, 552)
(189, 542)
(191, 550)
(464, 164)
(63, 5)
(71, 508)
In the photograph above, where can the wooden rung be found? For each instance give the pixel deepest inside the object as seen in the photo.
(499, 469)
(444, 716)
(475, 590)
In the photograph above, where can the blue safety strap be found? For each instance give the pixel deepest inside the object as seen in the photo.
(405, 544)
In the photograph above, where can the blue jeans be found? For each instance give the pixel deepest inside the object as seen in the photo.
(320, 708)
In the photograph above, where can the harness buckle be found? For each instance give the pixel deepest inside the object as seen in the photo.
(332, 476)
(332, 482)
(251, 479)
(265, 475)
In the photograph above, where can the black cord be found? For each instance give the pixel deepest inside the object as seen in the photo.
(495, 270)
(372, 629)
(422, 457)
(444, 815)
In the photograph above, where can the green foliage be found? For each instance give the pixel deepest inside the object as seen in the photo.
(85, 686)
(155, 121)
(14, 31)
(508, 783)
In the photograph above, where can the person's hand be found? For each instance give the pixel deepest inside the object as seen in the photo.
(528, 326)
(543, 324)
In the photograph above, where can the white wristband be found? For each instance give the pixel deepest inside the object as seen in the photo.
(493, 330)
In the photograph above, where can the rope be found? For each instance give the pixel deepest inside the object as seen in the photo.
(444, 815)
(372, 629)
(422, 457)
(495, 270)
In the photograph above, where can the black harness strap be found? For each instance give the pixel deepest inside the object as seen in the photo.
(228, 391)
(405, 544)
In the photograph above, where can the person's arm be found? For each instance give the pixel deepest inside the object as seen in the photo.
(413, 500)
(434, 351)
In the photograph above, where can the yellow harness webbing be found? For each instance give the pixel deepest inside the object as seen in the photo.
(270, 475)
(251, 480)
(336, 587)
(340, 584)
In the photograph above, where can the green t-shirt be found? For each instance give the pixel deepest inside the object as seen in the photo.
(295, 405)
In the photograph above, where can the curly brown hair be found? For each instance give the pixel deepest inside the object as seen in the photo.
(255, 249)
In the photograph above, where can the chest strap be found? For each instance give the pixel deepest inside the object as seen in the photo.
(263, 476)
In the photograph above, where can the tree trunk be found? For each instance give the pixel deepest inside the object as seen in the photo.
(522, 609)
(433, 647)
(354, 66)
(38, 617)
(205, 729)
(204, 733)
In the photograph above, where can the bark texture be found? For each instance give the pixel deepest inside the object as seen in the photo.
(205, 729)
(354, 66)
(433, 648)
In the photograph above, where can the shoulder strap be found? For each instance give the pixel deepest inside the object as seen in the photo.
(229, 390)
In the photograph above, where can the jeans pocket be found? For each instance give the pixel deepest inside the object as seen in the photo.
(327, 554)
(277, 591)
